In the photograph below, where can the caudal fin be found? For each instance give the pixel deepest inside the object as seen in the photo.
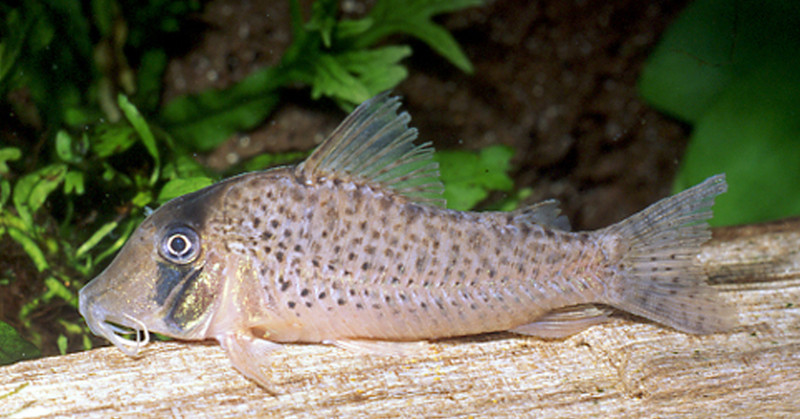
(659, 276)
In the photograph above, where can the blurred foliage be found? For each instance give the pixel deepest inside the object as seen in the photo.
(13, 348)
(468, 176)
(336, 58)
(89, 148)
(732, 70)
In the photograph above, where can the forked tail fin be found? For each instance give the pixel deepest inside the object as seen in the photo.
(658, 276)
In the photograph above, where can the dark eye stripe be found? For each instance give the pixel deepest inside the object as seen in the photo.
(190, 303)
(168, 278)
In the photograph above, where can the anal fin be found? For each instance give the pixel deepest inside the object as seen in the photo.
(565, 322)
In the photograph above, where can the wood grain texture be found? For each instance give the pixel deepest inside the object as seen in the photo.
(627, 368)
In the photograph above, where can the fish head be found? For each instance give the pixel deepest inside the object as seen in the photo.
(164, 278)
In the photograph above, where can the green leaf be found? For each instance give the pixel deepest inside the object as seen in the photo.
(430, 8)
(65, 148)
(70, 327)
(7, 219)
(379, 81)
(5, 193)
(78, 116)
(141, 199)
(141, 128)
(177, 187)
(440, 41)
(468, 177)
(752, 133)
(56, 288)
(366, 61)
(87, 343)
(731, 69)
(201, 122)
(355, 76)
(710, 45)
(323, 19)
(74, 183)
(333, 80)
(378, 70)
(30, 247)
(61, 342)
(98, 235)
(413, 18)
(46, 181)
(8, 154)
(183, 166)
(31, 190)
(13, 348)
(353, 28)
(127, 229)
(111, 139)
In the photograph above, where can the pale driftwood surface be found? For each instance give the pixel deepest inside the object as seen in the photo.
(627, 368)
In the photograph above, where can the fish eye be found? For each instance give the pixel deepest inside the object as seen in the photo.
(180, 244)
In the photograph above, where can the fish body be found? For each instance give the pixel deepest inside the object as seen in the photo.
(348, 261)
(354, 247)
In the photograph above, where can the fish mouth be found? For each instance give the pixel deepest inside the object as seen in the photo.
(117, 330)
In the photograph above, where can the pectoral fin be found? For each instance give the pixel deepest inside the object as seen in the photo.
(247, 353)
(565, 322)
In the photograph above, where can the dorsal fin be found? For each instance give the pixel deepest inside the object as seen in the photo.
(375, 145)
(545, 213)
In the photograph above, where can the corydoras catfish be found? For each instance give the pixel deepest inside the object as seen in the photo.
(353, 247)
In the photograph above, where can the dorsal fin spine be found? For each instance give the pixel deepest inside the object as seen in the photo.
(409, 134)
(374, 145)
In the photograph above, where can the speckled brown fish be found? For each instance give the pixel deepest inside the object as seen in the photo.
(353, 247)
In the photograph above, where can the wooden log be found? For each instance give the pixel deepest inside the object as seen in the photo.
(625, 368)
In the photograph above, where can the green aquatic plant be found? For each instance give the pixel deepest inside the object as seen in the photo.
(13, 347)
(469, 176)
(731, 69)
(337, 59)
